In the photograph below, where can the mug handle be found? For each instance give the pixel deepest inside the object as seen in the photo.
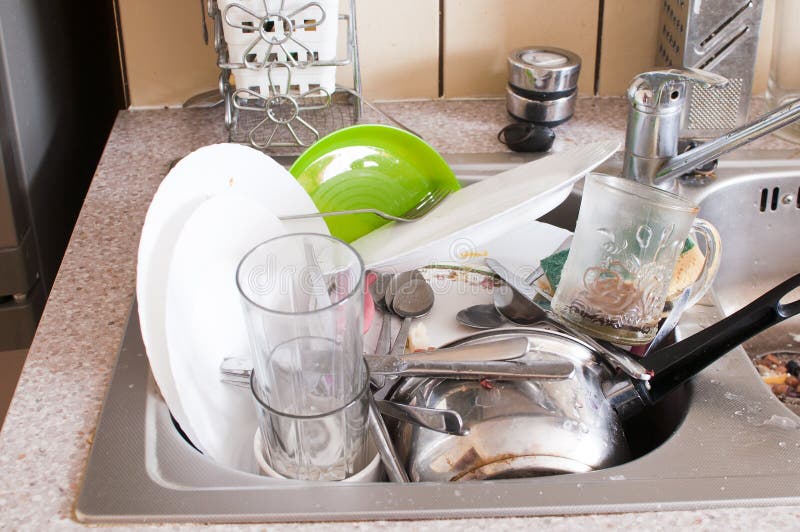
(712, 244)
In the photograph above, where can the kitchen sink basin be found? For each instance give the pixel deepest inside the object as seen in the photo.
(721, 440)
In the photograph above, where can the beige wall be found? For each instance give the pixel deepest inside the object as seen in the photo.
(167, 62)
(398, 47)
(629, 43)
(165, 59)
(478, 36)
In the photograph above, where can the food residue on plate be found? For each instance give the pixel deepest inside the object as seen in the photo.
(472, 254)
(781, 372)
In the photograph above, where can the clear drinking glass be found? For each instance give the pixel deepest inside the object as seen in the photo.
(627, 240)
(304, 303)
(330, 445)
(783, 83)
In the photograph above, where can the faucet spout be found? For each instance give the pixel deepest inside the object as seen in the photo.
(657, 101)
(708, 151)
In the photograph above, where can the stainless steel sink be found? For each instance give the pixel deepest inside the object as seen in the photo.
(759, 217)
(722, 440)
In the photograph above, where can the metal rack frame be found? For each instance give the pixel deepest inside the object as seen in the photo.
(281, 110)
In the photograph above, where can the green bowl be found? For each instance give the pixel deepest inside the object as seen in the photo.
(370, 166)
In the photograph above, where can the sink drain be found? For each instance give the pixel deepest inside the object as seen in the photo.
(780, 370)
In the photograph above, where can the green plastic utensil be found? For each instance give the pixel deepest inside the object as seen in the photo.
(370, 166)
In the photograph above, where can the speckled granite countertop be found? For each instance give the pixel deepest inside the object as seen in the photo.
(49, 428)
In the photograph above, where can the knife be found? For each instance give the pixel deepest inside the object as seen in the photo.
(235, 370)
(671, 320)
(238, 369)
(507, 349)
(619, 360)
(401, 367)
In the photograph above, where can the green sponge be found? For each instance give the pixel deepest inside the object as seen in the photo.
(553, 265)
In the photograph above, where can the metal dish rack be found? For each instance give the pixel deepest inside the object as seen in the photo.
(279, 104)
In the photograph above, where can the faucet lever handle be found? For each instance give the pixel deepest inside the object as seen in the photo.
(666, 89)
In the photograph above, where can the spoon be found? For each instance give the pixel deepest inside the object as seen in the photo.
(378, 292)
(440, 420)
(395, 282)
(412, 300)
(481, 317)
(380, 436)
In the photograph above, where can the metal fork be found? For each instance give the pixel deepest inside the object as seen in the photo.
(422, 208)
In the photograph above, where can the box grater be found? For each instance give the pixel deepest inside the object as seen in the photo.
(719, 36)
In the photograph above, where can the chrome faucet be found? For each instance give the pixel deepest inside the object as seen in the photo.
(651, 141)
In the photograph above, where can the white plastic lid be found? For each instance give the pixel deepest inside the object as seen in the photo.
(543, 59)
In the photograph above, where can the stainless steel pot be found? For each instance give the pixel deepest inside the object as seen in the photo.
(522, 428)
(535, 428)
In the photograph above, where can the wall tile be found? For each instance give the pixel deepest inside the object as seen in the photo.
(165, 59)
(630, 37)
(479, 34)
(399, 49)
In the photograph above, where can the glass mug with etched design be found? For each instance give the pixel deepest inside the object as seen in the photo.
(627, 242)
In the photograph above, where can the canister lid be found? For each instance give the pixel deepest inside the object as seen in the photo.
(543, 69)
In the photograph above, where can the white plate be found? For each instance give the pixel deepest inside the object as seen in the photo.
(470, 281)
(205, 322)
(479, 213)
(204, 173)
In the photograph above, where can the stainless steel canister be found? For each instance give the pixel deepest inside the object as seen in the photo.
(542, 84)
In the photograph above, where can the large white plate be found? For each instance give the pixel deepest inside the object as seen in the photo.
(205, 322)
(479, 213)
(204, 173)
(460, 284)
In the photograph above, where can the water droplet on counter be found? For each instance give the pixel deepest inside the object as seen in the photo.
(782, 444)
(782, 422)
(616, 477)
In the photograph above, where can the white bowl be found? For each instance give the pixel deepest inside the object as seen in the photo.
(373, 472)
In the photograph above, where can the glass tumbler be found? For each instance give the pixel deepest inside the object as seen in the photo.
(329, 445)
(303, 300)
(627, 241)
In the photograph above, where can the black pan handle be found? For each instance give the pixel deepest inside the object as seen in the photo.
(675, 364)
